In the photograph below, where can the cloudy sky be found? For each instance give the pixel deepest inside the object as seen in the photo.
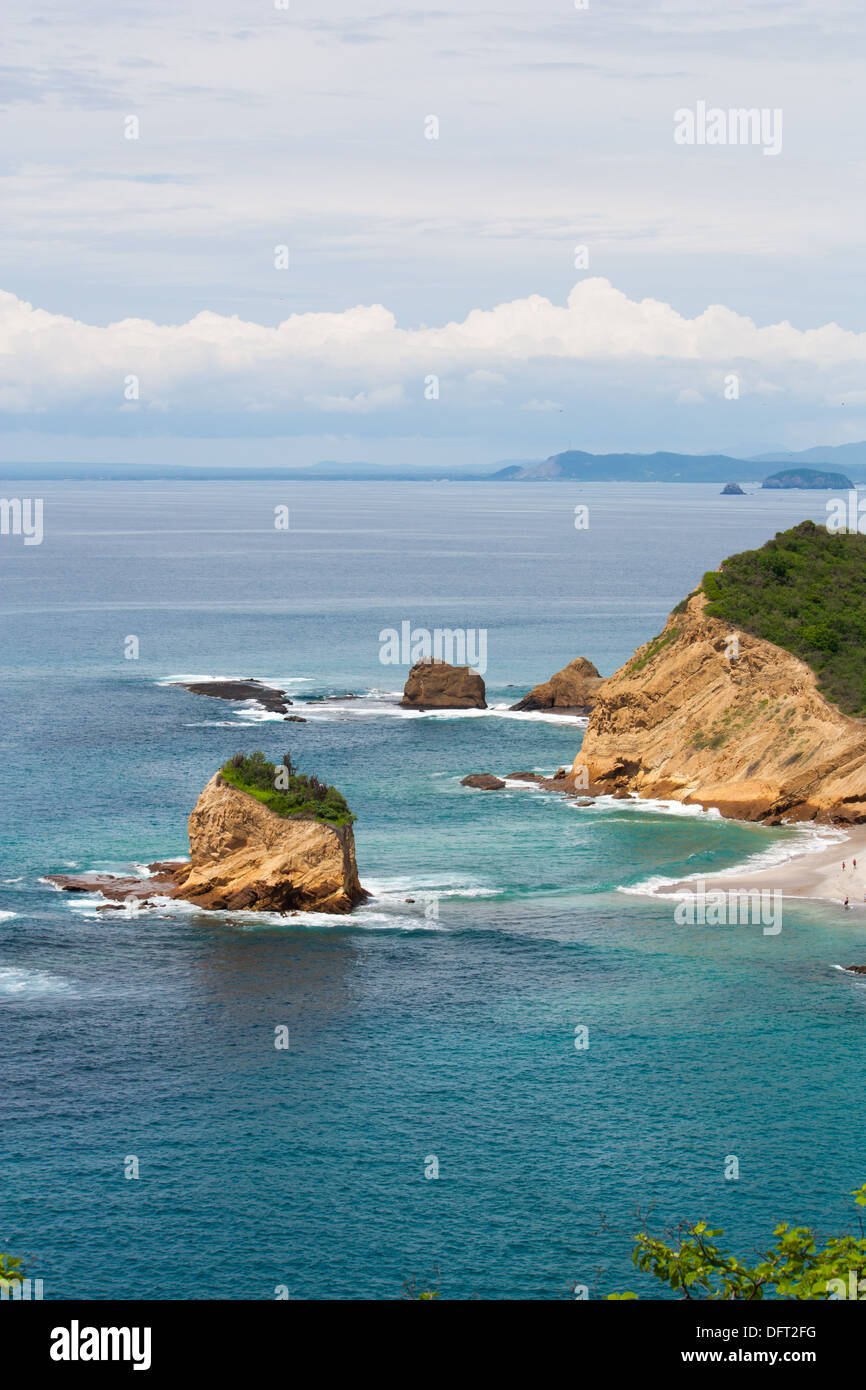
(435, 307)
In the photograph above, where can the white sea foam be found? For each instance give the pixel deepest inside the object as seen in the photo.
(494, 712)
(361, 917)
(371, 703)
(17, 982)
(809, 839)
(402, 887)
(196, 678)
(652, 805)
(6, 916)
(94, 906)
(518, 784)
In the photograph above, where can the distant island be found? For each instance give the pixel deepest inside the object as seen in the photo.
(576, 466)
(570, 465)
(807, 478)
(732, 490)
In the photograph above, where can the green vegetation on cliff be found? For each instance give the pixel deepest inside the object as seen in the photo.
(284, 790)
(805, 590)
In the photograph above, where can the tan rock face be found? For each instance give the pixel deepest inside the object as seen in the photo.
(243, 855)
(751, 736)
(436, 685)
(574, 688)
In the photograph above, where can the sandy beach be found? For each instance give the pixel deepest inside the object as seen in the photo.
(816, 874)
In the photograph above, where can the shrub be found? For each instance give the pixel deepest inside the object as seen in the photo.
(805, 590)
(795, 1267)
(284, 791)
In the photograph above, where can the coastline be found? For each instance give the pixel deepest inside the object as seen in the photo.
(814, 874)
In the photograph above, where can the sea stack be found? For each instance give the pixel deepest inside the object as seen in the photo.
(436, 685)
(246, 855)
(573, 690)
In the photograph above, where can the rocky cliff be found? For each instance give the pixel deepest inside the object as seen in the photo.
(435, 684)
(245, 856)
(709, 715)
(572, 690)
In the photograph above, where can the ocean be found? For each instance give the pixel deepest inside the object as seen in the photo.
(428, 1036)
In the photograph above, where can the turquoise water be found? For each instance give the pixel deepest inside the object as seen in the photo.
(443, 1027)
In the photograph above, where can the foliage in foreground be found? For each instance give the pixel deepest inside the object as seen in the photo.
(284, 790)
(805, 590)
(11, 1270)
(796, 1267)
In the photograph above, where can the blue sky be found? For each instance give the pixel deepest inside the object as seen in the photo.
(143, 316)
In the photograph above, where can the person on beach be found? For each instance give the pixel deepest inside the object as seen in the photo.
(845, 904)
(843, 866)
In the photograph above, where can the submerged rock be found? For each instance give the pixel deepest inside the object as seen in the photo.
(573, 690)
(269, 697)
(436, 685)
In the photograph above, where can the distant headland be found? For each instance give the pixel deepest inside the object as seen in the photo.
(570, 465)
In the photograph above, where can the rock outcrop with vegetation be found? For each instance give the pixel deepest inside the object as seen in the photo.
(435, 684)
(246, 852)
(715, 712)
(261, 838)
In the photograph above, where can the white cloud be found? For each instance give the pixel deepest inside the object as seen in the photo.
(361, 361)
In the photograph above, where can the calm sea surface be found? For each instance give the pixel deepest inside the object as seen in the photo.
(441, 1029)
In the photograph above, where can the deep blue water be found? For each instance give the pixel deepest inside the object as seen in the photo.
(411, 1035)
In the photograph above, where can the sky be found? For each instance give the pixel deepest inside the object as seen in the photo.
(280, 231)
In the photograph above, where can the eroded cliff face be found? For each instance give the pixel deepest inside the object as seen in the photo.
(748, 733)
